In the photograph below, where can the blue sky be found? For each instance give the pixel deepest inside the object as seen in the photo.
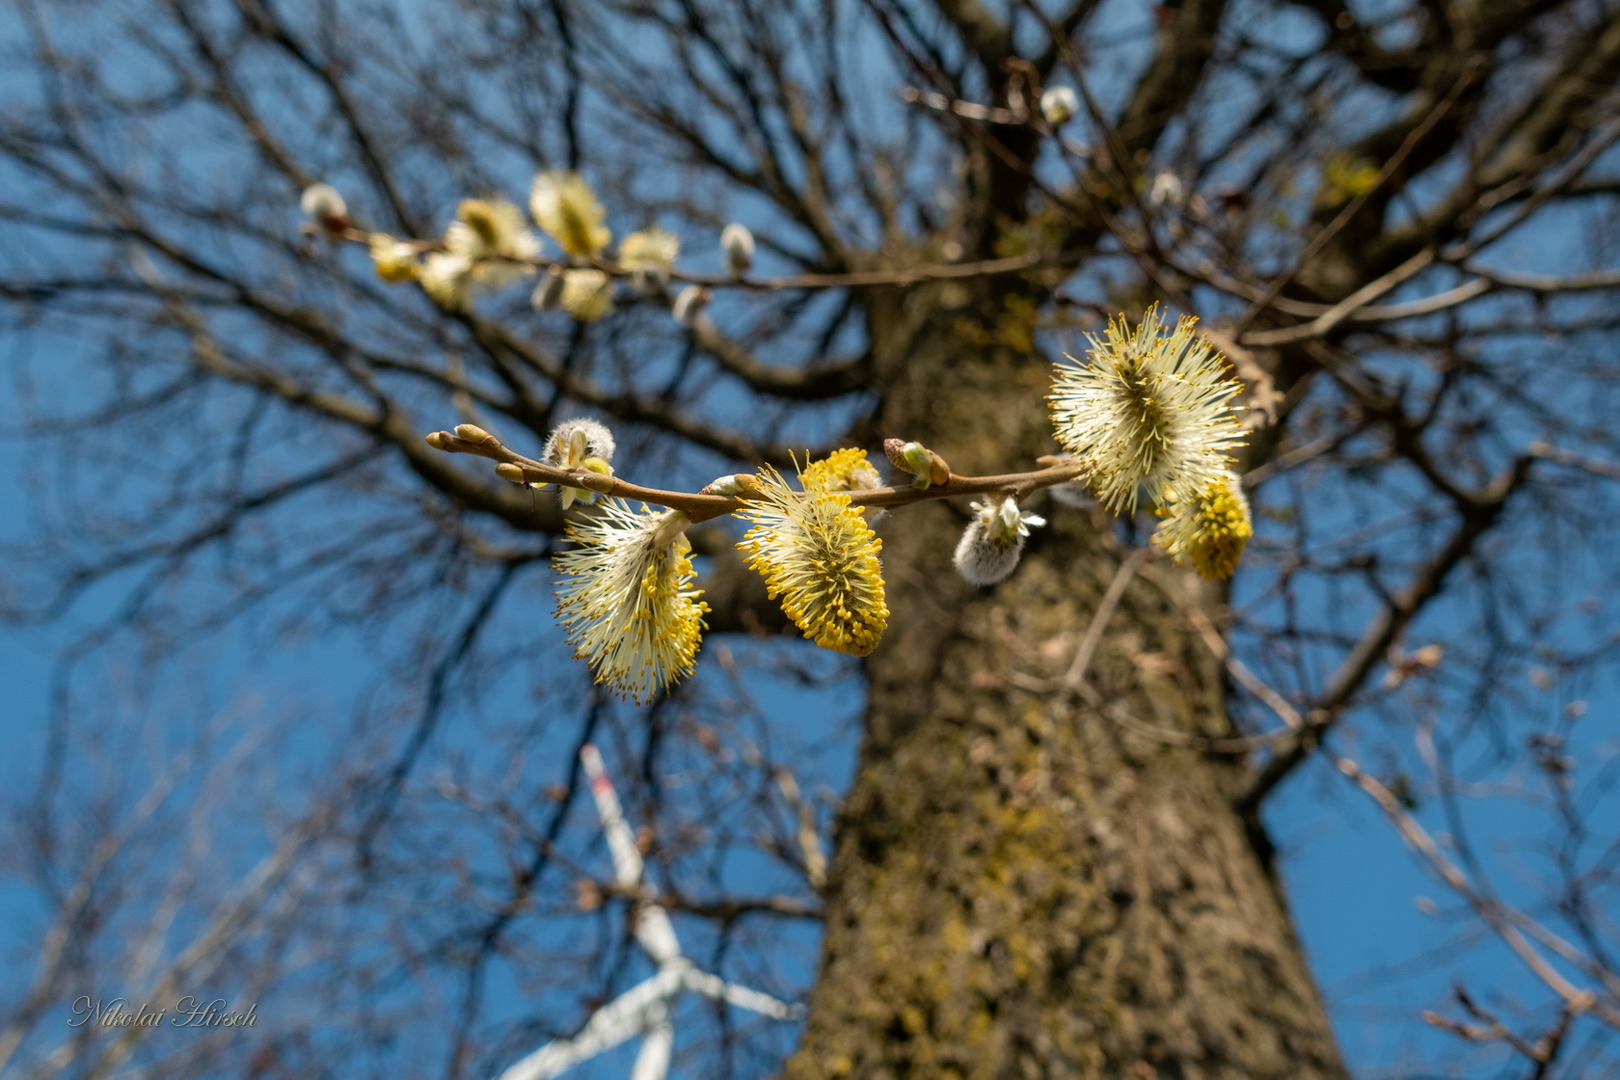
(1357, 893)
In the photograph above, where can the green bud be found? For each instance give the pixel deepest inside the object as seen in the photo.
(916, 459)
(735, 484)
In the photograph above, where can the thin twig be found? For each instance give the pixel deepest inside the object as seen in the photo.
(1576, 999)
(1248, 679)
(1076, 676)
(967, 109)
(1344, 308)
(1409, 144)
(1564, 457)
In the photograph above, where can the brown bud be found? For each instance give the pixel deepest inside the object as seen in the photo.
(436, 439)
(323, 204)
(938, 471)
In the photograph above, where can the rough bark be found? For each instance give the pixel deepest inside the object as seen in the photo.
(1021, 888)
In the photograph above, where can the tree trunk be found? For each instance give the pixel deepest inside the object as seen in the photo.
(1020, 887)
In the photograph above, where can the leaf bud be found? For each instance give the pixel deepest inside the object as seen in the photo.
(917, 460)
(735, 484)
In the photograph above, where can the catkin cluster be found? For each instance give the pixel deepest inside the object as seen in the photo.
(1147, 416)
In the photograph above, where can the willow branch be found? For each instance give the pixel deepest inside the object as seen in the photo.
(1596, 466)
(1488, 281)
(811, 381)
(1479, 514)
(700, 507)
(1576, 999)
(1470, 74)
(1012, 264)
(1342, 310)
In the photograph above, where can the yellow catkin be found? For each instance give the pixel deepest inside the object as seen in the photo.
(587, 294)
(842, 470)
(650, 251)
(448, 279)
(566, 208)
(818, 555)
(394, 260)
(492, 235)
(1209, 531)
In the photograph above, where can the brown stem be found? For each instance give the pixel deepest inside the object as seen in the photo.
(700, 507)
(1012, 264)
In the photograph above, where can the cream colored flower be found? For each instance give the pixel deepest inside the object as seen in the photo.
(324, 206)
(737, 243)
(689, 305)
(1148, 413)
(587, 294)
(493, 237)
(572, 441)
(819, 556)
(1208, 530)
(566, 208)
(394, 260)
(993, 541)
(649, 256)
(626, 601)
(1058, 105)
(448, 279)
(579, 444)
